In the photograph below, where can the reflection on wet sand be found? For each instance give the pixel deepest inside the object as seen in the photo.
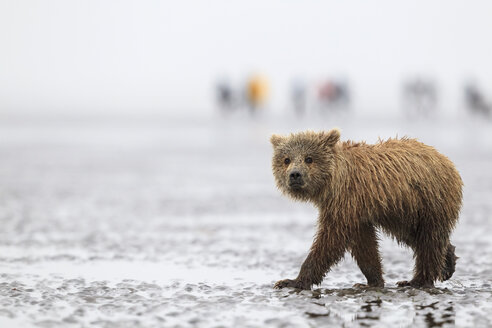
(377, 306)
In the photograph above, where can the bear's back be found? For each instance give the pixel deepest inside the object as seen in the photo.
(398, 177)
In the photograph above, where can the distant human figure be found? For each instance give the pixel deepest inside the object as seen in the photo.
(257, 89)
(298, 96)
(333, 95)
(225, 96)
(419, 96)
(475, 101)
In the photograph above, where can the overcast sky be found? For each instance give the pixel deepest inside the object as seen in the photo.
(119, 55)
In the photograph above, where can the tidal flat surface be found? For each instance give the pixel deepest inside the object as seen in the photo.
(177, 223)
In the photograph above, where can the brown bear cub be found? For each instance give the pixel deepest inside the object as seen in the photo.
(400, 186)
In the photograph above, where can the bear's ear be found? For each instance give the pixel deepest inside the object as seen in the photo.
(275, 139)
(331, 137)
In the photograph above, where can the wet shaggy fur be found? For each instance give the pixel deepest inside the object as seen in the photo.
(399, 186)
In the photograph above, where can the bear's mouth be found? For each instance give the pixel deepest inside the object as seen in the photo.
(296, 186)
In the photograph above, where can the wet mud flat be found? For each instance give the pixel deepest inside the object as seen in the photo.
(178, 224)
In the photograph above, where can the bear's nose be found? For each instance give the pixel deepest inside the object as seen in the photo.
(295, 176)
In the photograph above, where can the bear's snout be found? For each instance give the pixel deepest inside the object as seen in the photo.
(295, 178)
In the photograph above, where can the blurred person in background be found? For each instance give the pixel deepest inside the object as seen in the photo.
(475, 100)
(226, 96)
(333, 96)
(257, 90)
(298, 96)
(419, 97)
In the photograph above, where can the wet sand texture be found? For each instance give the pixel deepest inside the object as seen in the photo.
(178, 224)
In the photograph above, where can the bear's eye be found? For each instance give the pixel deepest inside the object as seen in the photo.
(308, 160)
(287, 161)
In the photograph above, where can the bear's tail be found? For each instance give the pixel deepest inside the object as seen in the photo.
(450, 264)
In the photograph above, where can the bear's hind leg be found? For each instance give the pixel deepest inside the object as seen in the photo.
(450, 263)
(430, 260)
(365, 251)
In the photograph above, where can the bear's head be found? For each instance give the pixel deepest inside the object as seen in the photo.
(303, 163)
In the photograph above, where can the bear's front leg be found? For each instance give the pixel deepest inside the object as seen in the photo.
(310, 273)
(365, 251)
(328, 248)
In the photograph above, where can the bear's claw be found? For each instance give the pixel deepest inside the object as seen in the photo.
(415, 284)
(372, 285)
(403, 283)
(291, 283)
